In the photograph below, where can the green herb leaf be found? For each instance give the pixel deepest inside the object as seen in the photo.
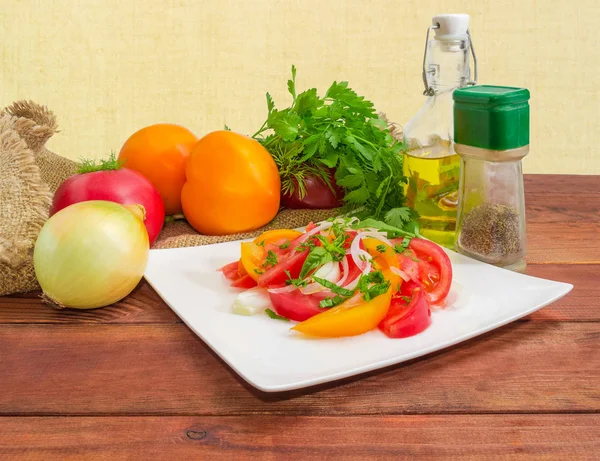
(270, 103)
(338, 290)
(332, 302)
(274, 316)
(316, 258)
(285, 245)
(292, 83)
(381, 248)
(398, 217)
(271, 259)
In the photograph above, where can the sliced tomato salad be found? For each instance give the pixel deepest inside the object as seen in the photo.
(340, 279)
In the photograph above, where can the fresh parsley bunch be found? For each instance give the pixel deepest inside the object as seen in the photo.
(341, 131)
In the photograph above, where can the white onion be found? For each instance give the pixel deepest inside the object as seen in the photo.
(356, 252)
(285, 289)
(377, 236)
(316, 230)
(401, 273)
(329, 271)
(345, 270)
(91, 254)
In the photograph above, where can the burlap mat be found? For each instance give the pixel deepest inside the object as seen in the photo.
(29, 176)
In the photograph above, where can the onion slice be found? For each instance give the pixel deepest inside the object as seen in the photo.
(321, 227)
(285, 289)
(377, 236)
(401, 273)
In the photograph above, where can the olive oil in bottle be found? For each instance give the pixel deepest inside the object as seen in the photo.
(432, 190)
(431, 165)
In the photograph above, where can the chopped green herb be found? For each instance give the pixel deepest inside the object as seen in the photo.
(381, 248)
(259, 271)
(274, 316)
(332, 302)
(261, 244)
(402, 246)
(285, 245)
(406, 299)
(338, 290)
(335, 248)
(376, 290)
(299, 283)
(271, 259)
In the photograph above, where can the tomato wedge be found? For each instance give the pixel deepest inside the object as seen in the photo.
(296, 306)
(406, 319)
(427, 263)
(231, 270)
(277, 275)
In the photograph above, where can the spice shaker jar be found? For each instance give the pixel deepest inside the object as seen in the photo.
(491, 134)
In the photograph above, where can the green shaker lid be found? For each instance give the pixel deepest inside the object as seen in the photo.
(491, 117)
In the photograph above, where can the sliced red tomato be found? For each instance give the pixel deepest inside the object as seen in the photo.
(311, 226)
(406, 319)
(407, 288)
(277, 275)
(245, 281)
(230, 271)
(296, 306)
(428, 263)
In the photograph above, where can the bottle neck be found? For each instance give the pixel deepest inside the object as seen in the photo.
(448, 67)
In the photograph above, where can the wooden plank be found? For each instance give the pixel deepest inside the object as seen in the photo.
(143, 305)
(566, 184)
(563, 243)
(566, 199)
(457, 437)
(166, 369)
(582, 303)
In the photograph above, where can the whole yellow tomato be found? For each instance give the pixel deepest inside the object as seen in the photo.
(159, 152)
(232, 185)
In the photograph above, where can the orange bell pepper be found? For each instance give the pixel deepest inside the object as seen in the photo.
(349, 318)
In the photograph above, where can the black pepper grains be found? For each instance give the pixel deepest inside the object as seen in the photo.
(492, 231)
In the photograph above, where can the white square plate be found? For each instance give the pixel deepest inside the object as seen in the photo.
(270, 357)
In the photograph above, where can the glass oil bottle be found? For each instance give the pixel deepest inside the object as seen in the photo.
(430, 162)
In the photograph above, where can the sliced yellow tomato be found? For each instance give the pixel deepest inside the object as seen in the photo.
(382, 260)
(349, 318)
(252, 258)
(253, 253)
(276, 235)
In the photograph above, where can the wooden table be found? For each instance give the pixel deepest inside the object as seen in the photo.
(132, 382)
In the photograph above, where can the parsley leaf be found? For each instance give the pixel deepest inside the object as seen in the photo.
(284, 245)
(381, 248)
(340, 130)
(274, 316)
(398, 217)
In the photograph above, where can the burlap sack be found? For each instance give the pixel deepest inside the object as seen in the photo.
(29, 174)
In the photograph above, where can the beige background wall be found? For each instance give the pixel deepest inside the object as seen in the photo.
(110, 67)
